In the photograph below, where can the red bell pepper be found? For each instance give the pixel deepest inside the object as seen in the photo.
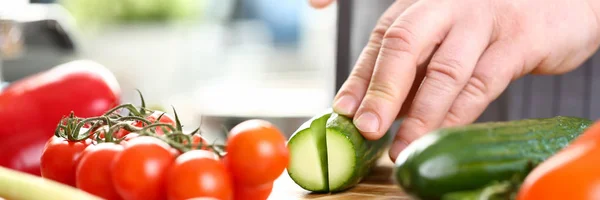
(31, 108)
(572, 173)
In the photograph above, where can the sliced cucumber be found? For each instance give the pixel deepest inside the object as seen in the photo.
(328, 153)
(311, 158)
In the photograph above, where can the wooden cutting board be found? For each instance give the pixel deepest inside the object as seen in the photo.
(379, 185)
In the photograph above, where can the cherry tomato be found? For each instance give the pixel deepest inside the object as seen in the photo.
(130, 136)
(198, 173)
(261, 192)
(256, 152)
(152, 118)
(122, 132)
(139, 170)
(196, 141)
(100, 132)
(59, 159)
(224, 160)
(93, 173)
(164, 119)
(572, 173)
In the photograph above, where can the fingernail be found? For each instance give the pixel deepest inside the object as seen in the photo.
(367, 122)
(345, 105)
(396, 148)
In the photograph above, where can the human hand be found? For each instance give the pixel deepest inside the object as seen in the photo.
(440, 63)
(320, 3)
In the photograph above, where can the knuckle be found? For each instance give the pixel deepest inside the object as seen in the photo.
(399, 38)
(360, 76)
(453, 118)
(416, 123)
(471, 100)
(377, 35)
(419, 112)
(447, 70)
(476, 89)
(402, 29)
(379, 31)
(371, 51)
(386, 21)
(383, 90)
(369, 55)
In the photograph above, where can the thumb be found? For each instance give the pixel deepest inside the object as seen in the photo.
(320, 3)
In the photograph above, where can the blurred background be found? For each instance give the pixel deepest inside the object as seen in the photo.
(226, 60)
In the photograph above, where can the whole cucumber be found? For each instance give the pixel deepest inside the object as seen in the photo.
(468, 157)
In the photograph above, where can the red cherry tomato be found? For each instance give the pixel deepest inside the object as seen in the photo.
(59, 159)
(256, 152)
(139, 170)
(198, 173)
(93, 173)
(203, 198)
(261, 192)
(164, 119)
(122, 132)
(130, 136)
(152, 118)
(196, 141)
(224, 159)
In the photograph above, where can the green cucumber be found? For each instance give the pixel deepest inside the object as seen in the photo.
(496, 191)
(19, 185)
(469, 157)
(328, 154)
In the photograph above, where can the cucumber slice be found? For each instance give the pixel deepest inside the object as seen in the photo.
(340, 159)
(308, 166)
(328, 153)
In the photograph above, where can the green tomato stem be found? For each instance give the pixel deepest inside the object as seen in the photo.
(128, 106)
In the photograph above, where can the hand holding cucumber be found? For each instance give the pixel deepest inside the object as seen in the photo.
(441, 63)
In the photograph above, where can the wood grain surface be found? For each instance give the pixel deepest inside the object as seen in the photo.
(379, 185)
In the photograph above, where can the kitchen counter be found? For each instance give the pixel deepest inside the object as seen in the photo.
(379, 185)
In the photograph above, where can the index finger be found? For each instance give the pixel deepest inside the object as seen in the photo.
(420, 27)
(353, 90)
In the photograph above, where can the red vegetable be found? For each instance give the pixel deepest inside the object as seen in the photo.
(261, 192)
(198, 142)
(256, 153)
(31, 108)
(164, 118)
(122, 132)
(572, 173)
(138, 172)
(93, 173)
(60, 158)
(198, 173)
